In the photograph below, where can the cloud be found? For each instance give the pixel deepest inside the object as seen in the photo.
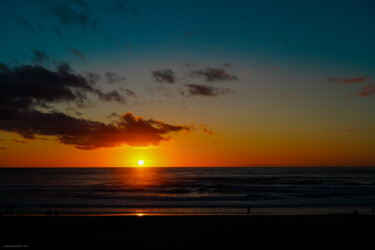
(205, 90)
(31, 86)
(113, 115)
(92, 78)
(206, 129)
(110, 96)
(70, 16)
(40, 57)
(2, 148)
(112, 78)
(367, 90)
(77, 53)
(187, 64)
(27, 25)
(128, 92)
(20, 141)
(167, 76)
(25, 89)
(344, 81)
(213, 74)
(87, 134)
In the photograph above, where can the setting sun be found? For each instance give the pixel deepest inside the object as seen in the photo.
(141, 163)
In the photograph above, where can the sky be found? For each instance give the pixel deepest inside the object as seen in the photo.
(187, 83)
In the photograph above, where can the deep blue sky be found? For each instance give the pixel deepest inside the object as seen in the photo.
(311, 32)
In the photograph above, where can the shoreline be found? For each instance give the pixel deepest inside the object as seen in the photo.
(188, 232)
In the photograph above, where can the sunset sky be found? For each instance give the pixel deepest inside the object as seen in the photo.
(187, 83)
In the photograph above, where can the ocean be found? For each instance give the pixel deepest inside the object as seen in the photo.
(129, 191)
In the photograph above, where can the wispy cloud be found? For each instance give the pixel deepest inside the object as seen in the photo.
(20, 141)
(206, 129)
(77, 53)
(112, 77)
(75, 14)
(367, 90)
(213, 74)
(41, 57)
(350, 80)
(164, 76)
(128, 92)
(205, 90)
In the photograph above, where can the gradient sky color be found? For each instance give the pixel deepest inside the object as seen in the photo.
(224, 83)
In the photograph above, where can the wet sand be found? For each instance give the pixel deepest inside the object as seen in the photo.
(187, 232)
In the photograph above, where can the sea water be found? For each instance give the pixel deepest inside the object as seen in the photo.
(122, 191)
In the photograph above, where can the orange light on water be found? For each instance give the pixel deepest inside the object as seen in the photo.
(139, 215)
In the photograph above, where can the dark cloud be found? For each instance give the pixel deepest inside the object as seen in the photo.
(27, 25)
(86, 134)
(164, 76)
(213, 74)
(77, 53)
(344, 81)
(4, 68)
(92, 78)
(25, 89)
(113, 115)
(70, 15)
(2, 148)
(110, 96)
(40, 57)
(112, 78)
(128, 92)
(27, 86)
(367, 90)
(205, 90)
(227, 65)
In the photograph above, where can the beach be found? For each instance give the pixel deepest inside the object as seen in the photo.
(187, 231)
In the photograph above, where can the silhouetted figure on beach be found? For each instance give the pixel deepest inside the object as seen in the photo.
(355, 212)
(248, 210)
(18, 212)
(56, 213)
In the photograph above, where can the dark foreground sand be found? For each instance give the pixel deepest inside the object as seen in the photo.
(189, 232)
